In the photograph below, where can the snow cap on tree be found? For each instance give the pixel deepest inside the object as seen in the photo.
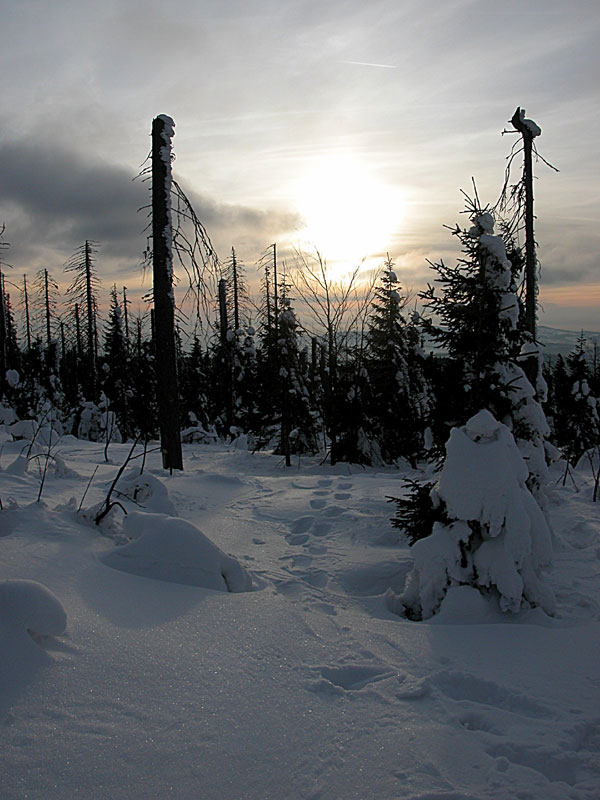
(494, 536)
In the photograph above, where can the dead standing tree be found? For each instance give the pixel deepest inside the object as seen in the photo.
(528, 130)
(521, 200)
(164, 305)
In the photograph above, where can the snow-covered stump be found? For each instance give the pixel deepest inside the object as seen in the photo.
(494, 536)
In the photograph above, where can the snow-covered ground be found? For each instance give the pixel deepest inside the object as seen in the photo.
(307, 686)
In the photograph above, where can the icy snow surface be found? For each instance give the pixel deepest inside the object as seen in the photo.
(306, 687)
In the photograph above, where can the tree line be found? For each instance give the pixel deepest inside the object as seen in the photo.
(352, 379)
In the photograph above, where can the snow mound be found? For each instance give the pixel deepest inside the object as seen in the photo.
(18, 467)
(173, 550)
(32, 607)
(146, 491)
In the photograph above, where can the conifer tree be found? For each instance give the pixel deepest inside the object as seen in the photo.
(83, 292)
(194, 385)
(476, 321)
(401, 399)
(115, 383)
(580, 410)
(297, 428)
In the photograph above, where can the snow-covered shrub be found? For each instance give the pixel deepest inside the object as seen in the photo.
(491, 534)
(98, 423)
(146, 491)
(7, 415)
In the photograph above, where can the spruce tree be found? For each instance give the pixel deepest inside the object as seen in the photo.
(115, 366)
(580, 412)
(401, 398)
(297, 427)
(476, 318)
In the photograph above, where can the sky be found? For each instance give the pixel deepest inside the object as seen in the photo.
(345, 126)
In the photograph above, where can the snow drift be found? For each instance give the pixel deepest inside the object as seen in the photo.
(173, 550)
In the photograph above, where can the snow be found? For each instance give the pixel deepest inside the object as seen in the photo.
(496, 537)
(531, 126)
(29, 606)
(305, 687)
(173, 550)
(12, 378)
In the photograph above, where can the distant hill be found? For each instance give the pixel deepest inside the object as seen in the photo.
(553, 341)
(557, 341)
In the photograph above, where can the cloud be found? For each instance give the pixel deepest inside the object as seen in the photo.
(52, 200)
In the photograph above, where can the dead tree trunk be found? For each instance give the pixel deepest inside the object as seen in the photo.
(275, 290)
(236, 299)
(164, 307)
(27, 321)
(3, 336)
(126, 316)
(529, 131)
(47, 306)
(530, 260)
(223, 324)
(91, 318)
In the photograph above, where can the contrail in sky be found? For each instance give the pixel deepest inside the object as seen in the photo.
(367, 64)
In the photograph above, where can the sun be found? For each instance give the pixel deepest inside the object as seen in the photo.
(350, 214)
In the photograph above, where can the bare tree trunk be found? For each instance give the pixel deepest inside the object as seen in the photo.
(531, 365)
(126, 316)
(27, 320)
(3, 336)
(236, 300)
(275, 289)
(164, 307)
(91, 320)
(223, 325)
(47, 304)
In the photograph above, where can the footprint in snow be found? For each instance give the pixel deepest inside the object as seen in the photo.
(301, 525)
(317, 578)
(462, 686)
(324, 482)
(348, 678)
(344, 485)
(297, 539)
(333, 511)
(556, 767)
(319, 503)
(342, 495)
(321, 528)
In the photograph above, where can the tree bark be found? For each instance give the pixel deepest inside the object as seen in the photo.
(164, 308)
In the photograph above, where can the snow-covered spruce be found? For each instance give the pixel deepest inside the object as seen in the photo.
(173, 550)
(494, 537)
(478, 310)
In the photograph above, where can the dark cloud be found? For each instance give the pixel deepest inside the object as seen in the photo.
(52, 200)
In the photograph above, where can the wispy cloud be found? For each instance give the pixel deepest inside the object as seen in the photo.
(368, 64)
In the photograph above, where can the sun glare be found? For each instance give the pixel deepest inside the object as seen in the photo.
(350, 214)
